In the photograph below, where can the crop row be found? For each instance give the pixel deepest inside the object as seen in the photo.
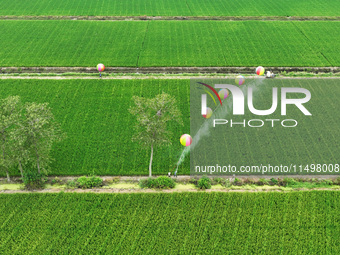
(172, 8)
(208, 223)
(94, 114)
(169, 43)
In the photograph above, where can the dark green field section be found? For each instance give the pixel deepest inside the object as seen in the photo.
(169, 43)
(94, 114)
(171, 7)
(178, 223)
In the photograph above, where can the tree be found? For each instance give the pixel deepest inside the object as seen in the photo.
(27, 134)
(19, 149)
(152, 118)
(10, 112)
(41, 131)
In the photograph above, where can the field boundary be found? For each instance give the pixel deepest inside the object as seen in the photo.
(146, 77)
(136, 178)
(128, 18)
(172, 70)
(99, 191)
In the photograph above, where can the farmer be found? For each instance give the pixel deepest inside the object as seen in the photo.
(169, 174)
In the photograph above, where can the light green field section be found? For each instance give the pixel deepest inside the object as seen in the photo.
(169, 43)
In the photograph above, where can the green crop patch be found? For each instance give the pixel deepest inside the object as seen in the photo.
(169, 43)
(195, 223)
(99, 128)
(321, 38)
(69, 43)
(94, 114)
(172, 8)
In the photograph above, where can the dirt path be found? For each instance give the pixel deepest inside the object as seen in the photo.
(157, 77)
(131, 18)
(183, 182)
(186, 178)
(166, 70)
(112, 190)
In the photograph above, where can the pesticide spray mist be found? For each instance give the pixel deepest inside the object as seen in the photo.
(220, 112)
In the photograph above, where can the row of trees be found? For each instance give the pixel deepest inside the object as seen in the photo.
(27, 133)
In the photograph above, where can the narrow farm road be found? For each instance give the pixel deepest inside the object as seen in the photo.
(115, 190)
(145, 77)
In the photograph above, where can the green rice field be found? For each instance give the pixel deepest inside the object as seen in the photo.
(169, 43)
(121, 217)
(177, 223)
(94, 114)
